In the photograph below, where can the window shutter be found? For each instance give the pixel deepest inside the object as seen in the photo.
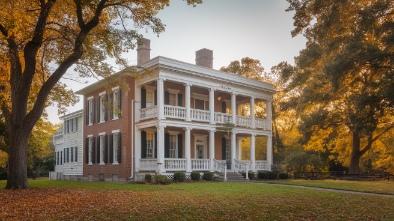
(105, 108)
(166, 97)
(155, 143)
(93, 150)
(119, 103)
(143, 98)
(98, 109)
(98, 150)
(223, 148)
(166, 145)
(87, 113)
(119, 148)
(180, 101)
(155, 97)
(111, 148)
(180, 145)
(143, 144)
(105, 147)
(223, 107)
(76, 154)
(72, 154)
(111, 106)
(87, 150)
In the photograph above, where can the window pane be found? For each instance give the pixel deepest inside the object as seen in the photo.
(199, 104)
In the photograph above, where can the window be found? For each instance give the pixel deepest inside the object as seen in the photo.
(102, 147)
(173, 146)
(90, 111)
(116, 148)
(116, 103)
(150, 148)
(172, 99)
(102, 109)
(90, 141)
(76, 154)
(72, 154)
(199, 104)
(61, 157)
(149, 98)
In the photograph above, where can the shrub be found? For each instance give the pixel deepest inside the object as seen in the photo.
(208, 176)
(272, 175)
(251, 175)
(267, 175)
(148, 178)
(283, 176)
(179, 176)
(195, 176)
(161, 179)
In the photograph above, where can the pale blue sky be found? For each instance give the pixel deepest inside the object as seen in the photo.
(233, 29)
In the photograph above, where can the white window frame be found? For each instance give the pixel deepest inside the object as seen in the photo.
(91, 110)
(90, 149)
(174, 93)
(102, 106)
(102, 143)
(115, 146)
(150, 145)
(203, 97)
(115, 111)
(151, 91)
(173, 148)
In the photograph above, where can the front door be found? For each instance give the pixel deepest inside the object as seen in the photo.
(200, 146)
(200, 151)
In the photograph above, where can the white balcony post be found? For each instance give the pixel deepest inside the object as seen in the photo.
(270, 159)
(233, 145)
(187, 101)
(252, 113)
(234, 108)
(187, 150)
(269, 115)
(160, 98)
(252, 152)
(212, 106)
(137, 152)
(160, 147)
(211, 148)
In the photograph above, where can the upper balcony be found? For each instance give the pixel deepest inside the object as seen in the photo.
(177, 112)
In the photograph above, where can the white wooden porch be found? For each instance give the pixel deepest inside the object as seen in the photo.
(180, 164)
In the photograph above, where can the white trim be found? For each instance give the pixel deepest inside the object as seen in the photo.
(173, 91)
(115, 88)
(102, 93)
(90, 135)
(90, 98)
(200, 96)
(115, 131)
(173, 132)
(102, 133)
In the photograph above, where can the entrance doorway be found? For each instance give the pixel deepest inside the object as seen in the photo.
(200, 146)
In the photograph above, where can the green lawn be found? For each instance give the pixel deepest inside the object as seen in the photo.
(63, 200)
(382, 187)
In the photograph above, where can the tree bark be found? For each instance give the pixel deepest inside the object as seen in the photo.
(354, 167)
(17, 160)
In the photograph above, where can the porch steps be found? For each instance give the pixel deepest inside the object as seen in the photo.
(232, 177)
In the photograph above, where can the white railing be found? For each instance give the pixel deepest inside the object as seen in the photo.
(219, 166)
(200, 115)
(173, 164)
(244, 121)
(261, 123)
(223, 118)
(242, 165)
(149, 112)
(200, 164)
(174, 112)
(148, 164)
(261, 165)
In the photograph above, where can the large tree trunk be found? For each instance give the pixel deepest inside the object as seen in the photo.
(354, 167)
(17, 160)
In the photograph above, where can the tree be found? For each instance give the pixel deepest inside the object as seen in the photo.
(42, 39)
(345, 75)
(248, 67)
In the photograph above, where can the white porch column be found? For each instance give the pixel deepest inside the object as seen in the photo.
(269, 115)
(233, 145)
(211, 148)
(137, 149)
(160, 147)
(187, 101)
(234, 108)
(252, 152)
(187, 150)
(252, 113)
(160, 98)
(270, 159)
(212, 106)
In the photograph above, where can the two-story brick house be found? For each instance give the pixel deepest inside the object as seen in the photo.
(177, 117)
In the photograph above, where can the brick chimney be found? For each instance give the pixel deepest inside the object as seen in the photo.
(204, 57)
(143, 51)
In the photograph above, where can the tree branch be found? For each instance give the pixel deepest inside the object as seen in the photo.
(369, 145)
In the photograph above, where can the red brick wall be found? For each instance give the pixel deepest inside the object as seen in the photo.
(123, 124)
